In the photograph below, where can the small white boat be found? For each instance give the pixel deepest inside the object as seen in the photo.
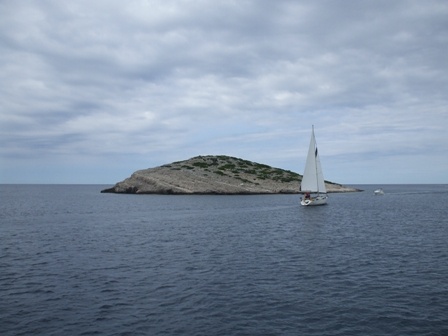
(313, 184)
(378, 191)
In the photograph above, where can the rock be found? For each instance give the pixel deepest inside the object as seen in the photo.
(214, 175)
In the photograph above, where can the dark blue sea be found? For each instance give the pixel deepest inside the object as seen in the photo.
(74, 261)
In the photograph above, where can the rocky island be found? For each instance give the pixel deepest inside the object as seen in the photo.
(215, 175)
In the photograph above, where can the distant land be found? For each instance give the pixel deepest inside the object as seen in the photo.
(215, 174)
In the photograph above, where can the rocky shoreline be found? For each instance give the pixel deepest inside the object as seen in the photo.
(220, 175)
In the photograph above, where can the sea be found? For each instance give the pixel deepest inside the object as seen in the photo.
(74, 261)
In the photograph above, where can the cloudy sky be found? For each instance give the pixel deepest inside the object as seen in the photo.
(91, 91)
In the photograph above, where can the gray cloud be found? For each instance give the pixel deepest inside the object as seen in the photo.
(149, 82)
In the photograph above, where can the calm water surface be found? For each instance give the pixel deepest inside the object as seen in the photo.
(77, 262)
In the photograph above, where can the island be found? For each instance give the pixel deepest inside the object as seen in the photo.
(215, 174)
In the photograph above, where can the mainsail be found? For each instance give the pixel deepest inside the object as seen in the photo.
(313, 178)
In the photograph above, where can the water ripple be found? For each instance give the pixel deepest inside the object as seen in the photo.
(77, 262)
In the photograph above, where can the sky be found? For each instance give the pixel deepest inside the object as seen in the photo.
(91, 91)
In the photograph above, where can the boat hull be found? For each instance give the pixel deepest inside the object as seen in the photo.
(318, 200)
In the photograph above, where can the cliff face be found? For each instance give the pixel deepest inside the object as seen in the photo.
(214, 175)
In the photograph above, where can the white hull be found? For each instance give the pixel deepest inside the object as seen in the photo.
(379, 192)
(318, 200)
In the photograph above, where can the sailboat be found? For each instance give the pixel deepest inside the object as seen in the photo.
(313, 184)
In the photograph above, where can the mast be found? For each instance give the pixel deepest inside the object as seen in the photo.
(315, 156)
(319, 175)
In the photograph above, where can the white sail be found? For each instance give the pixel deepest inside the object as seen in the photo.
(313, 178)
